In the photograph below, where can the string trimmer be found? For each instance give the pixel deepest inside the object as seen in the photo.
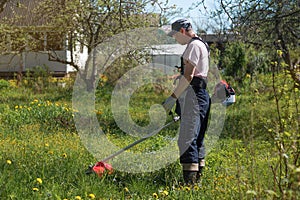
(101, 166)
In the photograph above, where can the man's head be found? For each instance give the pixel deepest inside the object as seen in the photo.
(179, 25)
(182, 31)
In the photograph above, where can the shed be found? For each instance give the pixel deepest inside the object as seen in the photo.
(167, 55)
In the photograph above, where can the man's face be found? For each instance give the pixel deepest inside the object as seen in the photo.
(181, 38)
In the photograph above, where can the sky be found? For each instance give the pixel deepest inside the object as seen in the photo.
(194, 15)
(200, 18)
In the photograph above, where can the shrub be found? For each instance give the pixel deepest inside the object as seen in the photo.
(4, 84)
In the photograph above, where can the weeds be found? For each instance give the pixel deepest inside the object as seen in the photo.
(257, 156)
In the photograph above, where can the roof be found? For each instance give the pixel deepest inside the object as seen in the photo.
(168, 49)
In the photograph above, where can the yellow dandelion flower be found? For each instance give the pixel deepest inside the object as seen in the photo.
(155, 195)
(186, 188)
(78, 198)
(16, 107)
(35, 189)
(103, 78)
(35, 100)
(46, 145)
(64, 155)
(126, 189)
(196, 187)
(99, 112)
(8, 162)
(165, 193)
(92, 196)
(279, 53)
(39, 180)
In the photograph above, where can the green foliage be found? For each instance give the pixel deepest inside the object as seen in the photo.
(50, 116)
(270, 25)
(4, 84)
(267, 109)
(256, 156)
(233, 60)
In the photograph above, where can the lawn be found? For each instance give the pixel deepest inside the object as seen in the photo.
(43, 157)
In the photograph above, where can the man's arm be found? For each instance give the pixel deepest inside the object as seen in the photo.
(185, 80)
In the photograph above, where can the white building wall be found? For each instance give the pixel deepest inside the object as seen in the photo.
(29, 60)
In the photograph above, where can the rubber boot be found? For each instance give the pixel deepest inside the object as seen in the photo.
(201, 167)
(190, 177)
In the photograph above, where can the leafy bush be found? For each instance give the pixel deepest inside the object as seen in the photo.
(4, 84)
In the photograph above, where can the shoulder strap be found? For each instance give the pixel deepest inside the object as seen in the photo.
(198, 38)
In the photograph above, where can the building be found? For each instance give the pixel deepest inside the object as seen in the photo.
(15, 53)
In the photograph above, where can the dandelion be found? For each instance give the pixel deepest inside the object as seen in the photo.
(8, 162)
(39, 180)
(35, 189)
(103, 78)
(77, 198)
(196, 187)
(186, 188)
(16, 107)
(46, 145)
(99, 112)
(64, 155)
(126, 189)
(155, 196)
(165, 193)
(92, 196)
(279, 53)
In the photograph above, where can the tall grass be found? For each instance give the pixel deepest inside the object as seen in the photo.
(42, 156)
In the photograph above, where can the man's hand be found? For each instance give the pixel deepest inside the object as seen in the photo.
(169, 103)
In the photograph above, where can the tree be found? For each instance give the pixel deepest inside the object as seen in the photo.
(234, 59)
(82, 24)
(273, 25)
(89, 23)
(2, 5)
(270, 25)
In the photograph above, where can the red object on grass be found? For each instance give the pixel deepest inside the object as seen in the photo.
(100, 168)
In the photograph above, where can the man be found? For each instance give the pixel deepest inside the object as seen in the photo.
(193, 98)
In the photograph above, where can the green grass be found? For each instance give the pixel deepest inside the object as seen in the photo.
(43, 158)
